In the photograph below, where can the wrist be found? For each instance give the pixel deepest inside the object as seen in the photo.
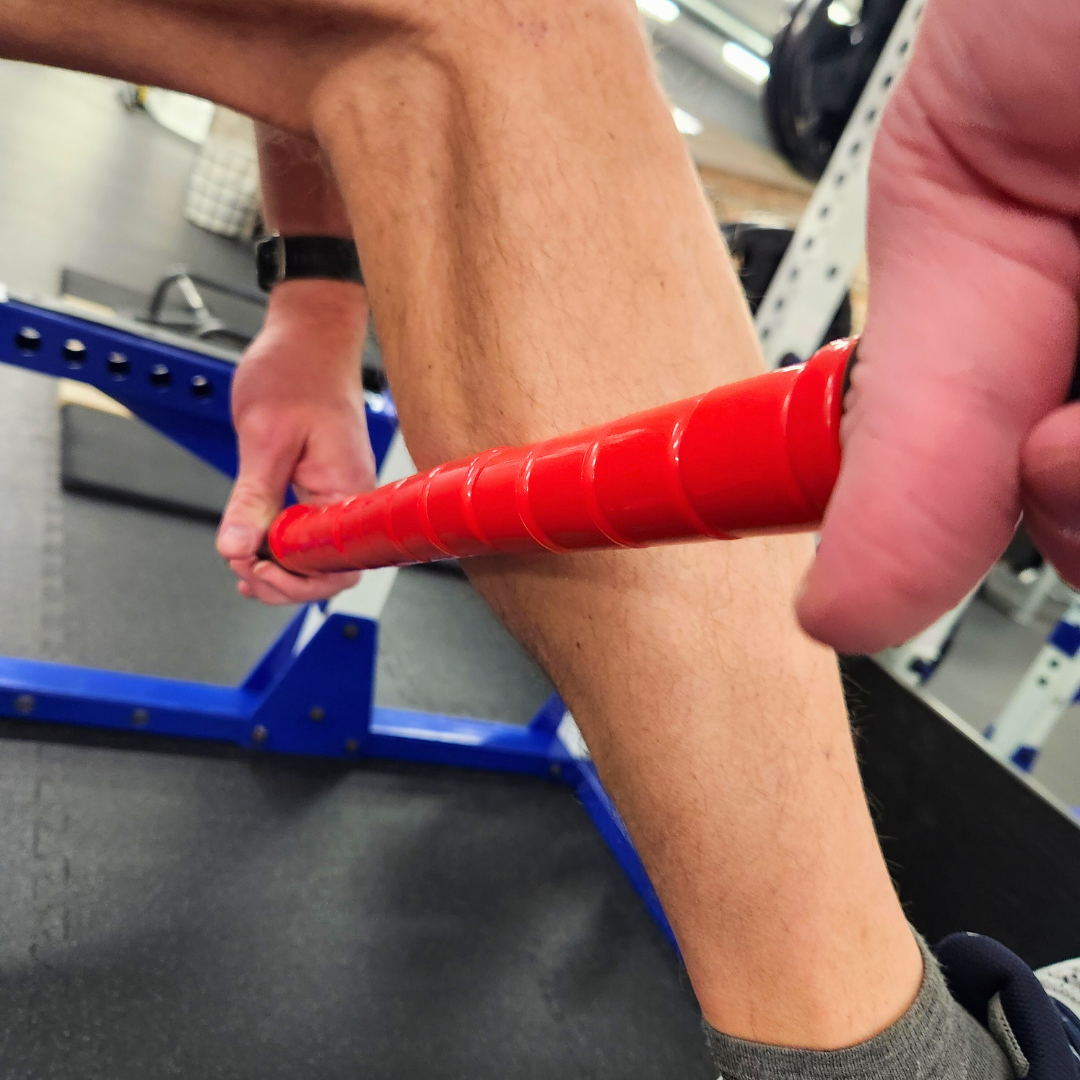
(322, 324)
(318, 302)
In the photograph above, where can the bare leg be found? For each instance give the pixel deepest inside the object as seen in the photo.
(545, 261)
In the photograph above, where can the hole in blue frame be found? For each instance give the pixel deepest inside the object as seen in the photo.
(74, 353)
(160, 376)
(27, 340)
(118, 365)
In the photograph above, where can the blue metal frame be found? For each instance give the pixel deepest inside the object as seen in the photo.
(312, 700)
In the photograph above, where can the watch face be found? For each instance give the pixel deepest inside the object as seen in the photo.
(267, 264)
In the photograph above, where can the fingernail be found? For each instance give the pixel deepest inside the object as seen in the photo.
(236, 540)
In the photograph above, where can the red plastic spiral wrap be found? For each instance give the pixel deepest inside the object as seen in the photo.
(757, 456)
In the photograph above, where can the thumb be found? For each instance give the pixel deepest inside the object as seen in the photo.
(267, 460)
(969, 342)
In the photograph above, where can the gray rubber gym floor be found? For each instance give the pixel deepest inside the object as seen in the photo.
(982, 669)
(172, 911)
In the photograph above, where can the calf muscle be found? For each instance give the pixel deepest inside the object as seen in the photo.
(540, 257)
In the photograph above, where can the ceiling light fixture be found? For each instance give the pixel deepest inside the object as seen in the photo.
(665, 11)
(745, 62)
(840, 14)
(687, 124)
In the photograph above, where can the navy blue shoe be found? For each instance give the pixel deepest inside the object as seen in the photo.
(1033, 1016)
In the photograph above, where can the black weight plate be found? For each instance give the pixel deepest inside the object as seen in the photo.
(757, 251)
(818, 70)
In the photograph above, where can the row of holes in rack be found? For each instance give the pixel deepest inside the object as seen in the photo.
(855, 151)
(74, 354)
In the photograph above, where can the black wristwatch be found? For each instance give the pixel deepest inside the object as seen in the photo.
(286, 258)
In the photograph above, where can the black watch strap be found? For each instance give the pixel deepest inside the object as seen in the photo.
(286, 258)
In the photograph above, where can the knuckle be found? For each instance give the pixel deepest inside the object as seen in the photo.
(248, 497)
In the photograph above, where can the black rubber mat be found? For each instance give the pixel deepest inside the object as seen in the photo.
(167, 915)
(114, 457)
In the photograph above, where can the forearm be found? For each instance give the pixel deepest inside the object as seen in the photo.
(300, 198)
(299, 193)
(541, 258)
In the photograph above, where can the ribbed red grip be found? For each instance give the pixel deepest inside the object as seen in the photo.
(759, 456)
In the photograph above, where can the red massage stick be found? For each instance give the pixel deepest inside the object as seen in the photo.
(758, 456)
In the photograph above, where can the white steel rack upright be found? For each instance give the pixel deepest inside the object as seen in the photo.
(813, 276)
(1051, 685)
